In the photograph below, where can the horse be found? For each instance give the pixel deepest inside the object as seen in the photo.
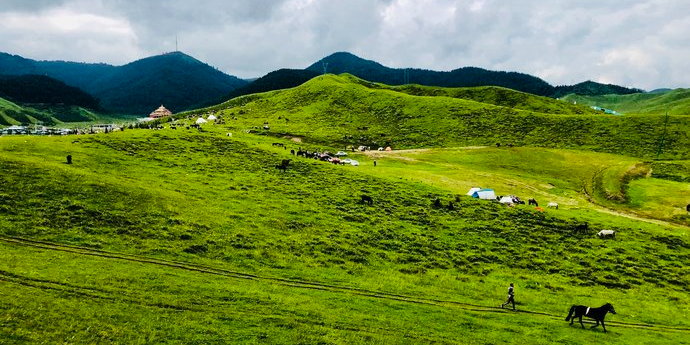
(283, 165)
(552, 205)
(531, 202)
(687, 208)
(598, 314)
(367, 200)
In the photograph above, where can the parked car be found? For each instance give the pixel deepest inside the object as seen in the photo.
(341, 154)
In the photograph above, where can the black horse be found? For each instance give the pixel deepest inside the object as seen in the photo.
(598, 314)
(533, 202)
(687, 208)
(367, 200)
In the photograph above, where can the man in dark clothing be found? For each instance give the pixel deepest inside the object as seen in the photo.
(511, 298)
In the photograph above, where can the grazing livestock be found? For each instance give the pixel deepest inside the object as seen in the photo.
(437, 203)
(687, 208)
(552, 205)
(279, 144)
(69, 159)
(598, 314)
(367, 200)
(606, 234)
(533, 202)
(283, 165)
(292, 152)
(228, 135)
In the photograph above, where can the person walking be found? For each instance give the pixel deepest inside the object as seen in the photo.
(511, 297)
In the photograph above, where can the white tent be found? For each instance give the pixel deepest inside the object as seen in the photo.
(473, 190)
(485, 194)
(506, 200)
(212, 117)
(200, 121)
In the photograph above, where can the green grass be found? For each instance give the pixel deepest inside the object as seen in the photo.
(341, 110)
(675, 102)
(49, 115)
(206, 199)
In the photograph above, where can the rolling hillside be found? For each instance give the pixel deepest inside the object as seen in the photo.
(276, 80)
(188, 236)
(48, 115)
(174, 79)
(344, 110)
(676, 102)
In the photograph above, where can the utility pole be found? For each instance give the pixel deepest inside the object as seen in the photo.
(663, 138)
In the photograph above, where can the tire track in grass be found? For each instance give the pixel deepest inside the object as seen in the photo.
(301, 284)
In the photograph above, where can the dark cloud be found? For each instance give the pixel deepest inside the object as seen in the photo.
(641, 43)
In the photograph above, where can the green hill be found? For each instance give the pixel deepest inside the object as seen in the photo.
(343, 110)
(676, 102)
(48, 115)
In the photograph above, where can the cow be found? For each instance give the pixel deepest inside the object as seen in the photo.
(283, 165)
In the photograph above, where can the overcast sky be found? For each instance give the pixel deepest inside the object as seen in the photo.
(636, 43)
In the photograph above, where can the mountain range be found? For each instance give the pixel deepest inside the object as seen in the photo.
(182, 82)
(175, 79)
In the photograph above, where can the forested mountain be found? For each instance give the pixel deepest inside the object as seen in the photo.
(175, 79)
(590, 88)
(463, 77)
(44, 90)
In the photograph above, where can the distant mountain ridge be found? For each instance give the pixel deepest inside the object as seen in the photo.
(44, 90)
(343, 62)
(175, 79)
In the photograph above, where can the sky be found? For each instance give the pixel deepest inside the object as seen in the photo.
(634, 43)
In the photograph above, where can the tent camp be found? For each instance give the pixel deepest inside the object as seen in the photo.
(200, 121)
(472, 191)
(212, 117)
(485, 194)
(507, 200)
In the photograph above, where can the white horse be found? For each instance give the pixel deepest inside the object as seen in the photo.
(606, 233)
(552, 205)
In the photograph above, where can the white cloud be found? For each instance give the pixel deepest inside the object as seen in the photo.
(639, 43)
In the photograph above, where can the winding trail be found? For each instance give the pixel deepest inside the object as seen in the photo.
(301, 284)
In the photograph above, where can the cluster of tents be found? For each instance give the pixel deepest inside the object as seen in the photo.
(201, 120)
(489, 194)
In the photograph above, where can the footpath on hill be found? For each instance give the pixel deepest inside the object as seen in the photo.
(301, 284)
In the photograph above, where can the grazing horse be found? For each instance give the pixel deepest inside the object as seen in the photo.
(367, 200)
(687, 208)
(598, 314)
(533, 202)
(552, 205)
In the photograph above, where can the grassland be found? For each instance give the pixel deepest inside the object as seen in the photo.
(675, 102)
(342, 110)
(195, 237)
(49, 115)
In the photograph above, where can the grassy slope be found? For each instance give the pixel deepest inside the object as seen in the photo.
(13, 114)
(206, 199)
(334, 109)
(676, 102)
